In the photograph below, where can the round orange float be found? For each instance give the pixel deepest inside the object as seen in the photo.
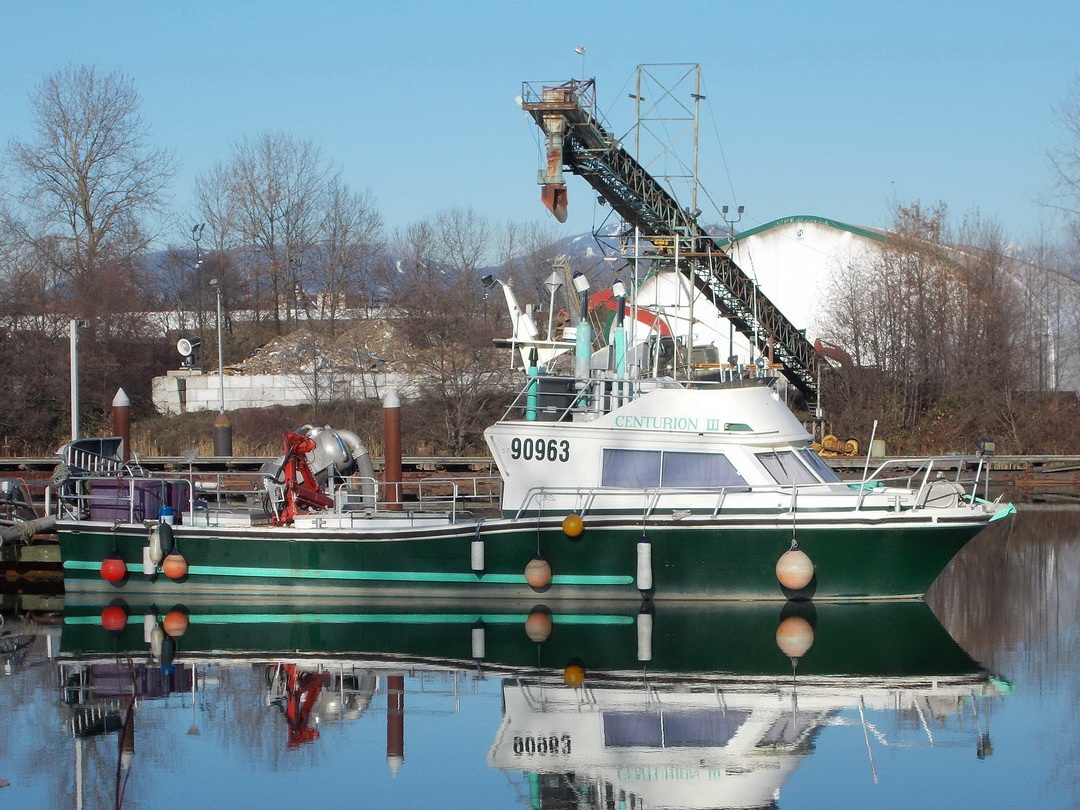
(538, 625)
(114, 618)
(574, 675)
(174, 565)
(573, 526)
(794, 636)
(538, 573)
(794, 569)
(175, 623)
(113, 568)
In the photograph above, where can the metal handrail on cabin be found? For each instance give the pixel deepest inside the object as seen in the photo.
(591, 394)
(586, 496)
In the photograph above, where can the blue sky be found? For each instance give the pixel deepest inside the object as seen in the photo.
(835, 109)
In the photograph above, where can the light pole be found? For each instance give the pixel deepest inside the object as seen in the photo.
(74, 337)
(196, 235)
(222, 426)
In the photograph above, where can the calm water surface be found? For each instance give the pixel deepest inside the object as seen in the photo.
(970, 701)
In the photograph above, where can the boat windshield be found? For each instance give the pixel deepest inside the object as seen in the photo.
(815, 462)
(796, 467)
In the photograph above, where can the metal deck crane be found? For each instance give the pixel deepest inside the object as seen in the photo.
(577, 142)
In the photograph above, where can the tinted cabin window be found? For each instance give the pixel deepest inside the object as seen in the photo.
(637, 469)
(785, 468)
(814, 462)
(700, 470)
(709, 728)
(647, 469)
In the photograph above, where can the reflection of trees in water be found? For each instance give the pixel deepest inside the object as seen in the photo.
(1011, 598)
(238, 716)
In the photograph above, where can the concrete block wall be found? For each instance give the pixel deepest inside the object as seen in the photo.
(183, 391)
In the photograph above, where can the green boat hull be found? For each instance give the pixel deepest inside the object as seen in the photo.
(866, 639)
(877, 558)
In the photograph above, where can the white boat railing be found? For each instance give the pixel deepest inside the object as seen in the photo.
(909, 488)
(137, 499)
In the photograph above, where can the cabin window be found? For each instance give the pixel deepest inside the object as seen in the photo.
(785, 468)
(700, 470)
(636, 469)
(710, 728)
(815, 463)
(647, 469)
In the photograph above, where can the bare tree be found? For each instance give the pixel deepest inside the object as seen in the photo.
(277, 188)
(351, 242)
(87, 179)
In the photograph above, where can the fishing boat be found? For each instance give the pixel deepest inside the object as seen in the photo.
(633, 473)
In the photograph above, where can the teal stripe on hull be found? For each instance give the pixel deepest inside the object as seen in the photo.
(372, 576)
(369, 618)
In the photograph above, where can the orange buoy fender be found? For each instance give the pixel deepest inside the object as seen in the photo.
(175, 622)
(794, 569)
(573, 526)
(538, 573)
(114, 619)
(574, 674)
(175, 566)
(794, 636)
(538, 625)
(113, 568)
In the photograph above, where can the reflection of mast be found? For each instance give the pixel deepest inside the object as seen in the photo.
(395, 722)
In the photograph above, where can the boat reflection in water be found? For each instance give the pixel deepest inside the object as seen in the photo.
(674, 706)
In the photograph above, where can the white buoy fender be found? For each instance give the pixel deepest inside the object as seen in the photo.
(476, 555)
(148, 566)
(644, 637)
(479, 642)
(644, 565)
(157, 552)
(794, 569)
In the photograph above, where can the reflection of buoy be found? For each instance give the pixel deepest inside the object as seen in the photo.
(794, 636)
(174, 565)
(794, 569)
(573, 525)
(538, 573)
(644, 624)
(538, 625)
(113, 568)
(114, 618)
(157, 639)
(167, 654)
(175, 623)
(574, 674)
(479, 641)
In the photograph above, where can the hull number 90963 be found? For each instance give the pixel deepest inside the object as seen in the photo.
(532, 449)
(553, 744)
